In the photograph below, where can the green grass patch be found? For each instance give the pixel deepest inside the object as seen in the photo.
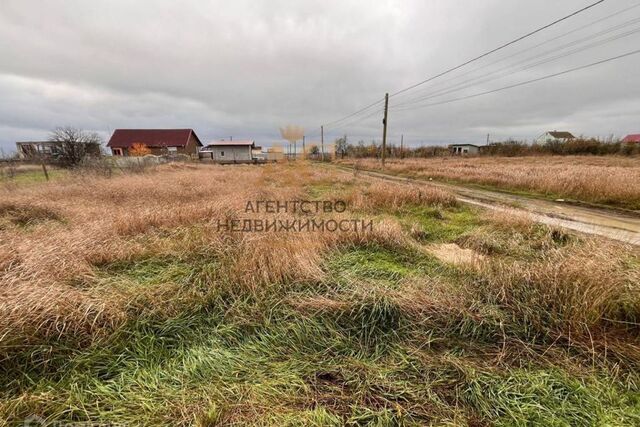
(436, 225)
(552, 398)
(148, 272)
(381, 265)
(32, 176)
(328, 189)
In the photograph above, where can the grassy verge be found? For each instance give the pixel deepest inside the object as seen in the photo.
(579, 184)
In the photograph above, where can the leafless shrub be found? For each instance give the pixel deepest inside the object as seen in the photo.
(74, 145)
(8, 170)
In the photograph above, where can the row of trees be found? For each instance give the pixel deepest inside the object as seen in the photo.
(580, 146)
(374, 149)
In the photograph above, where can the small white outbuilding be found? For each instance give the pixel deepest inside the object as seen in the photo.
(464, 149)
(229, 151)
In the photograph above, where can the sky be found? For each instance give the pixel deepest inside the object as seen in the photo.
(247, 67)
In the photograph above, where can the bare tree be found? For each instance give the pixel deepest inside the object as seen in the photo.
(342, 146)
(74, 145)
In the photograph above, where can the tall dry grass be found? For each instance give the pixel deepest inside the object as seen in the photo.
(56, 237)
(89, 259)
(607, 180)
(381, 195)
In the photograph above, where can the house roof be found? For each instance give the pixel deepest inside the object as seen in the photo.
(632, 138)
(561, 135)
(231, 143)
(125, 138)
(464, 145)
(36, 142)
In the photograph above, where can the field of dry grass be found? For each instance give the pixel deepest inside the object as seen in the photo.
(609, 180)
(122, 300)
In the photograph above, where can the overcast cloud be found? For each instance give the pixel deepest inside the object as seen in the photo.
(244, 68)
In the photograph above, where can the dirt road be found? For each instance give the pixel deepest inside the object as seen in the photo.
(602, 222)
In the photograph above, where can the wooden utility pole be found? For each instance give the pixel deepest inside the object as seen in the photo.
(322, 141)
(487, 139)
(44, 169)
(304, 149)
(384, 129)
(402, 146)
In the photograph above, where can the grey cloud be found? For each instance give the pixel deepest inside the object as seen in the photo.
(244, 68)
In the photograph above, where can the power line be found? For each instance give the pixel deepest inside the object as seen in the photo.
(357, 112)
(590, 24)
(557, 21)
(571, 70)
(354, 121)
(483, 78)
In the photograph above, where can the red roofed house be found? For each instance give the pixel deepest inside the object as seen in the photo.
(159, 141)
(632, 138)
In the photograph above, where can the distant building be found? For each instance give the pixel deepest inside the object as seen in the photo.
(49, 151)
(230, 151)
(274, 153)
(632, 138)
(29, 150)
(256, 153)
(464, 149)
(554, 136)
(158, 141)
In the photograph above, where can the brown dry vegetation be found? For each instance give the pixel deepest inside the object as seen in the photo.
(311, 328)
(79, 224)
(605, 180)
(383, 196)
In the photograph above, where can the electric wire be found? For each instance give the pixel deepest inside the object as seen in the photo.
(527, 82)
(477, 58)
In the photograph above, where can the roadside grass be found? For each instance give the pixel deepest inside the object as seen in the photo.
(368, 329)
(608, 181)
(514, 237)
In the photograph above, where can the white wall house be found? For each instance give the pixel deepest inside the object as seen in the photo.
(464, 149)
(229, 151)
(554, 136)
